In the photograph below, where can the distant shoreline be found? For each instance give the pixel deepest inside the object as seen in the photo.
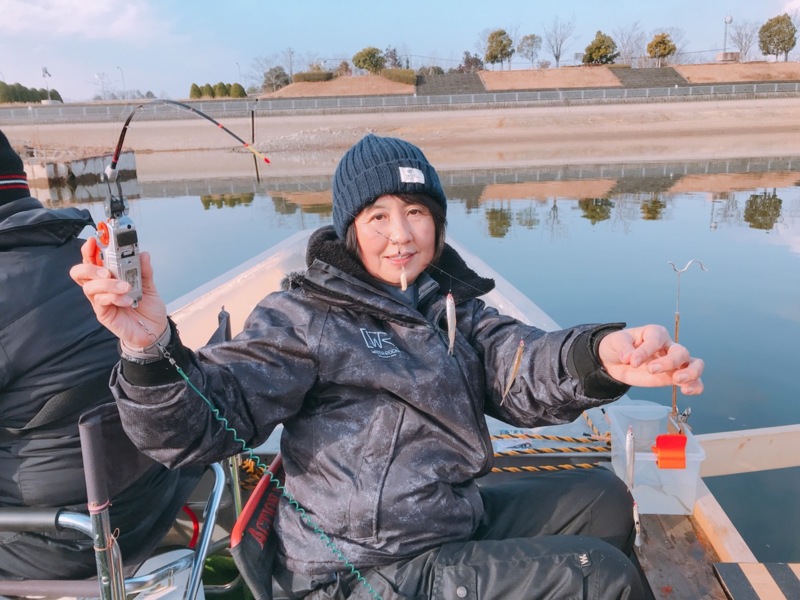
(299, 145)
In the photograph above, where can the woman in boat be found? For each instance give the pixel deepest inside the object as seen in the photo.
(381, 360)
(55, 363)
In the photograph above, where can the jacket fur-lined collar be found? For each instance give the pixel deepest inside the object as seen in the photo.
(450, 271)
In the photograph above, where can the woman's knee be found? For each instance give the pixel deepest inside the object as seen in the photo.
(616, 576)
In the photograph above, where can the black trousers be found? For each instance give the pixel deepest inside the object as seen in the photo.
(564, 535)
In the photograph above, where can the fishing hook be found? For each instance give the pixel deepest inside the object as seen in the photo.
(677, 328)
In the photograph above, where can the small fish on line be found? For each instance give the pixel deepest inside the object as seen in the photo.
(450, 309)
(637, 525)
(630, 457)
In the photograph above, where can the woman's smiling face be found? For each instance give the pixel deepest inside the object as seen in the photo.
(394, 236)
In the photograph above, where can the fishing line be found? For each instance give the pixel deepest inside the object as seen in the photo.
(212, 407)
(285, 493)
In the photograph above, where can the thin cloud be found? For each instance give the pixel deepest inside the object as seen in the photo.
(133, 20)
(791, 7)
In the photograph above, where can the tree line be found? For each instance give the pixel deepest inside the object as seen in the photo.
(220, 90)
(16, 92)
(626, 45)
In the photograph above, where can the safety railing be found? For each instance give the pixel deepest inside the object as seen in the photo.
(103, 112)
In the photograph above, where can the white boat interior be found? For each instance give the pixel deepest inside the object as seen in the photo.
(669, 554)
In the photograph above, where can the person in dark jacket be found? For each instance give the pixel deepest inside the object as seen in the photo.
(381, 361)
(53, 349)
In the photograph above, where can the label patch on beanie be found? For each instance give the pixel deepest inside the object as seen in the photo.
(411, 175)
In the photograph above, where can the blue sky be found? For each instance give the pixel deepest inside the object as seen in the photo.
(164, 46)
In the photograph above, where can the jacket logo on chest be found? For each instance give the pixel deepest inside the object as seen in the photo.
(379, 343)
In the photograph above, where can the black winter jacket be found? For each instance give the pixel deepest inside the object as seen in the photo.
(384, 431)
(50, 341)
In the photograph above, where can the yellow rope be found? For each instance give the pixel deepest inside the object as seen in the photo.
(251, 473)
(563, 449)
(552, 438)
(594, 429)
(548, 468)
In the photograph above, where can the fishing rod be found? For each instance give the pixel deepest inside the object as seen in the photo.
(117, 238)
(182, 106)
(112, 254)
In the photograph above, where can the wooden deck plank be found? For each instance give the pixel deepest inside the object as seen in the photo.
(676, 557)
(733, 452)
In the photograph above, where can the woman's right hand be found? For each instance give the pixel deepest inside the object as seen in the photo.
(112, 305)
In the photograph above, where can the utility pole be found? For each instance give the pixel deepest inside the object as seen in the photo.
(290, 52)
(728, 21)
(101, 79)
(124, 93)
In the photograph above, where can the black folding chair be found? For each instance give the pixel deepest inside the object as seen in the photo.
(112, 463)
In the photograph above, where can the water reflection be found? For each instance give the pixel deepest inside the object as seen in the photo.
(762, 211)
(226, 200)
(596, 209)
(529, 198)
(738, 192)
(589, 245)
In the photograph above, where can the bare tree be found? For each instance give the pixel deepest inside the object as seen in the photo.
(259, 67)
(289, 56)
(678, 37)
(744, 37)
(482, 43)
(311, 58)
(405, 56)
(393, 60)
(631, 44)
(556, 37)
(513, 34)
(794, 17)
(529, 47)
(275, 78)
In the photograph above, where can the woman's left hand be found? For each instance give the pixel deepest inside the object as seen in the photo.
(647, 357)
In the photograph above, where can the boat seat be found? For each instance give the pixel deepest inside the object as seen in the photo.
(759, 581)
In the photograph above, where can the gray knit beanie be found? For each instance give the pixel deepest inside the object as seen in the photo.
(13, 180)
(377, 166)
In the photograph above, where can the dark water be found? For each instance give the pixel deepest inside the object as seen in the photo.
(600, 255)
